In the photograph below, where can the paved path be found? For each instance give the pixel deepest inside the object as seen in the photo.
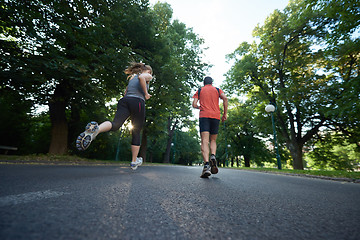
(172, 202)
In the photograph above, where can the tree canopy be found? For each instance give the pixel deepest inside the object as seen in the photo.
(70, 56)
(305, 61)
(62, 65)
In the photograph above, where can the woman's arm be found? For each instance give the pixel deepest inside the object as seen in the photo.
(144, 78)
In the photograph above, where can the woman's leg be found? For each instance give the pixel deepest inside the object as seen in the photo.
(84, 140)
(105, 126)
(134, 152)
(122, 113)
(137, 115)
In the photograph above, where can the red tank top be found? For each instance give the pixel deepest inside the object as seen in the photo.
(209, 101)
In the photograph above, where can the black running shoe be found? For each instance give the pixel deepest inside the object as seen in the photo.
(213, 164)
(206, 171)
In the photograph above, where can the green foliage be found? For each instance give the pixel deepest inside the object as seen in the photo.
(242, 134)
(178, 67)
(70, 55)
(14, 117)
(331, 152)
(306, 61)
(335, 174)
(187, 147)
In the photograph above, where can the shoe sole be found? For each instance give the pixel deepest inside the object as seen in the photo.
(214, 168)
(136, 166)
(205, 175)
(84, 139)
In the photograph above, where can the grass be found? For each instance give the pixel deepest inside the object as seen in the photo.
(54, 159)
(323, 173)
(58, 159)
(75, 160)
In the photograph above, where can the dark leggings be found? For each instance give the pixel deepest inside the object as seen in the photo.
(135, 109)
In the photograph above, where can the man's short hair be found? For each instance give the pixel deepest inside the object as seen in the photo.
(208, 80)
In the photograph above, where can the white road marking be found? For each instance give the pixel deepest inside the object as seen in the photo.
(28, 197)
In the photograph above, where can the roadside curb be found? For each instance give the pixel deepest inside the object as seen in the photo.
(47, 162)
(351, 180)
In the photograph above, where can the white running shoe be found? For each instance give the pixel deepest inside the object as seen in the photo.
(206, 171)
(85, 138)
(137, 163)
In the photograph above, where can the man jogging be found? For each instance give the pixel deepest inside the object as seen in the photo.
(209, 119)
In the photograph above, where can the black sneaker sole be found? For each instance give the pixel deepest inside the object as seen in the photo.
(205, 174)
(214, 168)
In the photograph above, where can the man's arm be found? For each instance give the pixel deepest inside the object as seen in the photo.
(195, 103)
(225, 104)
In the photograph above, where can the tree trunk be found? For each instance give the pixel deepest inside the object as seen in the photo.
(247, 161)
(150, 157)
(59, 125)
(296, 154)
(171, 130)
(73, 124)
(168, 149)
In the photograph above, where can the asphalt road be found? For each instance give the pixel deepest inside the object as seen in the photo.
(172, 202)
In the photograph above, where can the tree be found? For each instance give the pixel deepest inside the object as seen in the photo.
(329, 151)
(72, 53)
(186, 147)
(179, 66)
(290, 68)
(243, 135)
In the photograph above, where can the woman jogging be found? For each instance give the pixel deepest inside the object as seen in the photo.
(131, 105)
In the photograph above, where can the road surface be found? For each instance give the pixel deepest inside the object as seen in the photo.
(172, 202)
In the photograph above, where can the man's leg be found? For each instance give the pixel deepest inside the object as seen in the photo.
(213, 163)
(205, 153)
(213, 143)
(205, 146)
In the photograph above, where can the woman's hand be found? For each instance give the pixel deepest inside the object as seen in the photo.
(147, 96)
(145, 78)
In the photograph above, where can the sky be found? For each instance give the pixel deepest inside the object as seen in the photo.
(223, 24)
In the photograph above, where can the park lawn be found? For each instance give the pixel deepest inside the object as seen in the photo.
(59, 159)
(324, 173)
(54, 159)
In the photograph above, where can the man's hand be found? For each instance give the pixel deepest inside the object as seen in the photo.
(195, 103)
(224, 117)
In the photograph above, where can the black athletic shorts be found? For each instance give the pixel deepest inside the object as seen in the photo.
(209, 125)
